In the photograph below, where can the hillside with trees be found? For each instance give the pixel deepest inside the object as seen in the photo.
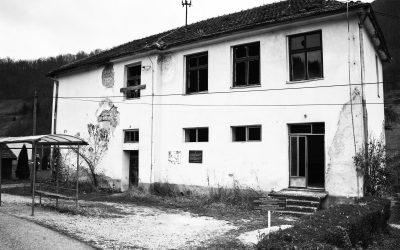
(18, 81)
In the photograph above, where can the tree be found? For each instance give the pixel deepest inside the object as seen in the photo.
(93, 153)
(22, 171)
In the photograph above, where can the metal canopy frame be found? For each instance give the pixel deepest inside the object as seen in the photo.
(44, 141)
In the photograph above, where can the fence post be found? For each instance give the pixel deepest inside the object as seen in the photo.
(33, 178)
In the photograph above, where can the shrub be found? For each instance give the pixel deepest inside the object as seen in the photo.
(22, 171)
(342, 226)
(376, 167)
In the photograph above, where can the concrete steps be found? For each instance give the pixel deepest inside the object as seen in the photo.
(298, 201)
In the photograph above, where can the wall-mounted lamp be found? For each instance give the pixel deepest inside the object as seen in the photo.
(146, 67)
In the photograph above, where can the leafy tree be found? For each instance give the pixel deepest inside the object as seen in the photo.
(93, 153)
(22, 171)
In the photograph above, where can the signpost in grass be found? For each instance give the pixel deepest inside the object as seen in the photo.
(270, 204)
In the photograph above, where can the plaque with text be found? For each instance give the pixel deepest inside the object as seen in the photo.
(195, 156)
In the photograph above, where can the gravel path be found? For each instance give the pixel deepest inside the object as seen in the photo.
(19, 234)
(134, 227)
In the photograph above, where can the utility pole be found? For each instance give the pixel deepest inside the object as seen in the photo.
(186, 3)
(35, 99)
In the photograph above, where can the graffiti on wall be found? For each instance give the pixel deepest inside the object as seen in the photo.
(174, 157)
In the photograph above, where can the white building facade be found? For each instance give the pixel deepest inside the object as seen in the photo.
(275, 106)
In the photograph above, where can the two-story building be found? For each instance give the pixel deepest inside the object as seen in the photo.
(277, 96)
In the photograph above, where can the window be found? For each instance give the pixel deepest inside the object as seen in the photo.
(246, 133)
(246, 64)
(132, 135)
(310, 128)
(305, 52)
(197, 73)
(196, 134)
(133, 78)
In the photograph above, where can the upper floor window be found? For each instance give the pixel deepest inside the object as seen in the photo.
(246, 64)
(196, 134)
(133, 79)
(305, 52)
(197, 73)
(131, 135)
(246, 133)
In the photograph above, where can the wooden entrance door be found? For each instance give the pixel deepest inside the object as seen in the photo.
(134, 168)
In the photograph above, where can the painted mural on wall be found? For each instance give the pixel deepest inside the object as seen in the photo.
(107, 114)
(107, 76)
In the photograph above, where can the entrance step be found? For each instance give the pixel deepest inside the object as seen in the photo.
(300, 201)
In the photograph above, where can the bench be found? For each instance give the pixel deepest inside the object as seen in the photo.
(55, 195)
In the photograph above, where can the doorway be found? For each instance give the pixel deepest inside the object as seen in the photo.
(307, 155)
(134, 168)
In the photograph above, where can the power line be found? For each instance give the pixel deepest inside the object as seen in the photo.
(226, 92)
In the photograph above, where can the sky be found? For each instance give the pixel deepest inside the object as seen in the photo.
(31, 29)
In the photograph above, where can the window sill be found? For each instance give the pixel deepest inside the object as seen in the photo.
(197, 93)
(246, 86)
(246, 141)
(196, 141)
(302, 81)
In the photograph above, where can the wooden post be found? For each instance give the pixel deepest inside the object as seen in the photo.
(35, 100)
(1, 159)
(77, 177)
(33, 179)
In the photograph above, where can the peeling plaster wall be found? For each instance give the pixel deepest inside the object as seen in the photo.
(261, 165)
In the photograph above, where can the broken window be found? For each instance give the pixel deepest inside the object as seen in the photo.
(196, 134)
(197, 73)
(246, 133)
(246, 64)
(131, 135)
(133, 79)
(305, 52)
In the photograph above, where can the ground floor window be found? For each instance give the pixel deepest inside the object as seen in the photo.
(131, 135)
(246, 133)
(196, 134)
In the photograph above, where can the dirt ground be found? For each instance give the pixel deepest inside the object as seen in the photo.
(137, 225)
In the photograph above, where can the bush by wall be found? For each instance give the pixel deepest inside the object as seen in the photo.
(343, 226)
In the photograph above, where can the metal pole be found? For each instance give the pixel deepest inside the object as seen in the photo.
(77, 176)
(33, 180)
(35, 99)
(1, 159)
(57, 182)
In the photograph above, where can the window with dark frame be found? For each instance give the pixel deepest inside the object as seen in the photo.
(133, 78)
(197, 73)
(246, 133)
(305, 53)
(196, 134)
(131, 135)
(246, 64)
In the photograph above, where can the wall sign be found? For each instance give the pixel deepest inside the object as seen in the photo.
(195, 156)
(107, 76)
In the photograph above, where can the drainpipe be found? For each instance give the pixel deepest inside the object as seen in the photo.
(152, 122)
(363, 106)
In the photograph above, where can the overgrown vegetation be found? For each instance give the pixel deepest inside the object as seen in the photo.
(22, 171)
(342, 226)
(377, 168)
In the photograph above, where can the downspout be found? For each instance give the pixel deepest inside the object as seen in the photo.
(363, 106)
(152, 122)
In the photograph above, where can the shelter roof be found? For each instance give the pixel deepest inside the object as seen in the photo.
(53, 139)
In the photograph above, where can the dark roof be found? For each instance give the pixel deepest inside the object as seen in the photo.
(263, 16)
(6, 153)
